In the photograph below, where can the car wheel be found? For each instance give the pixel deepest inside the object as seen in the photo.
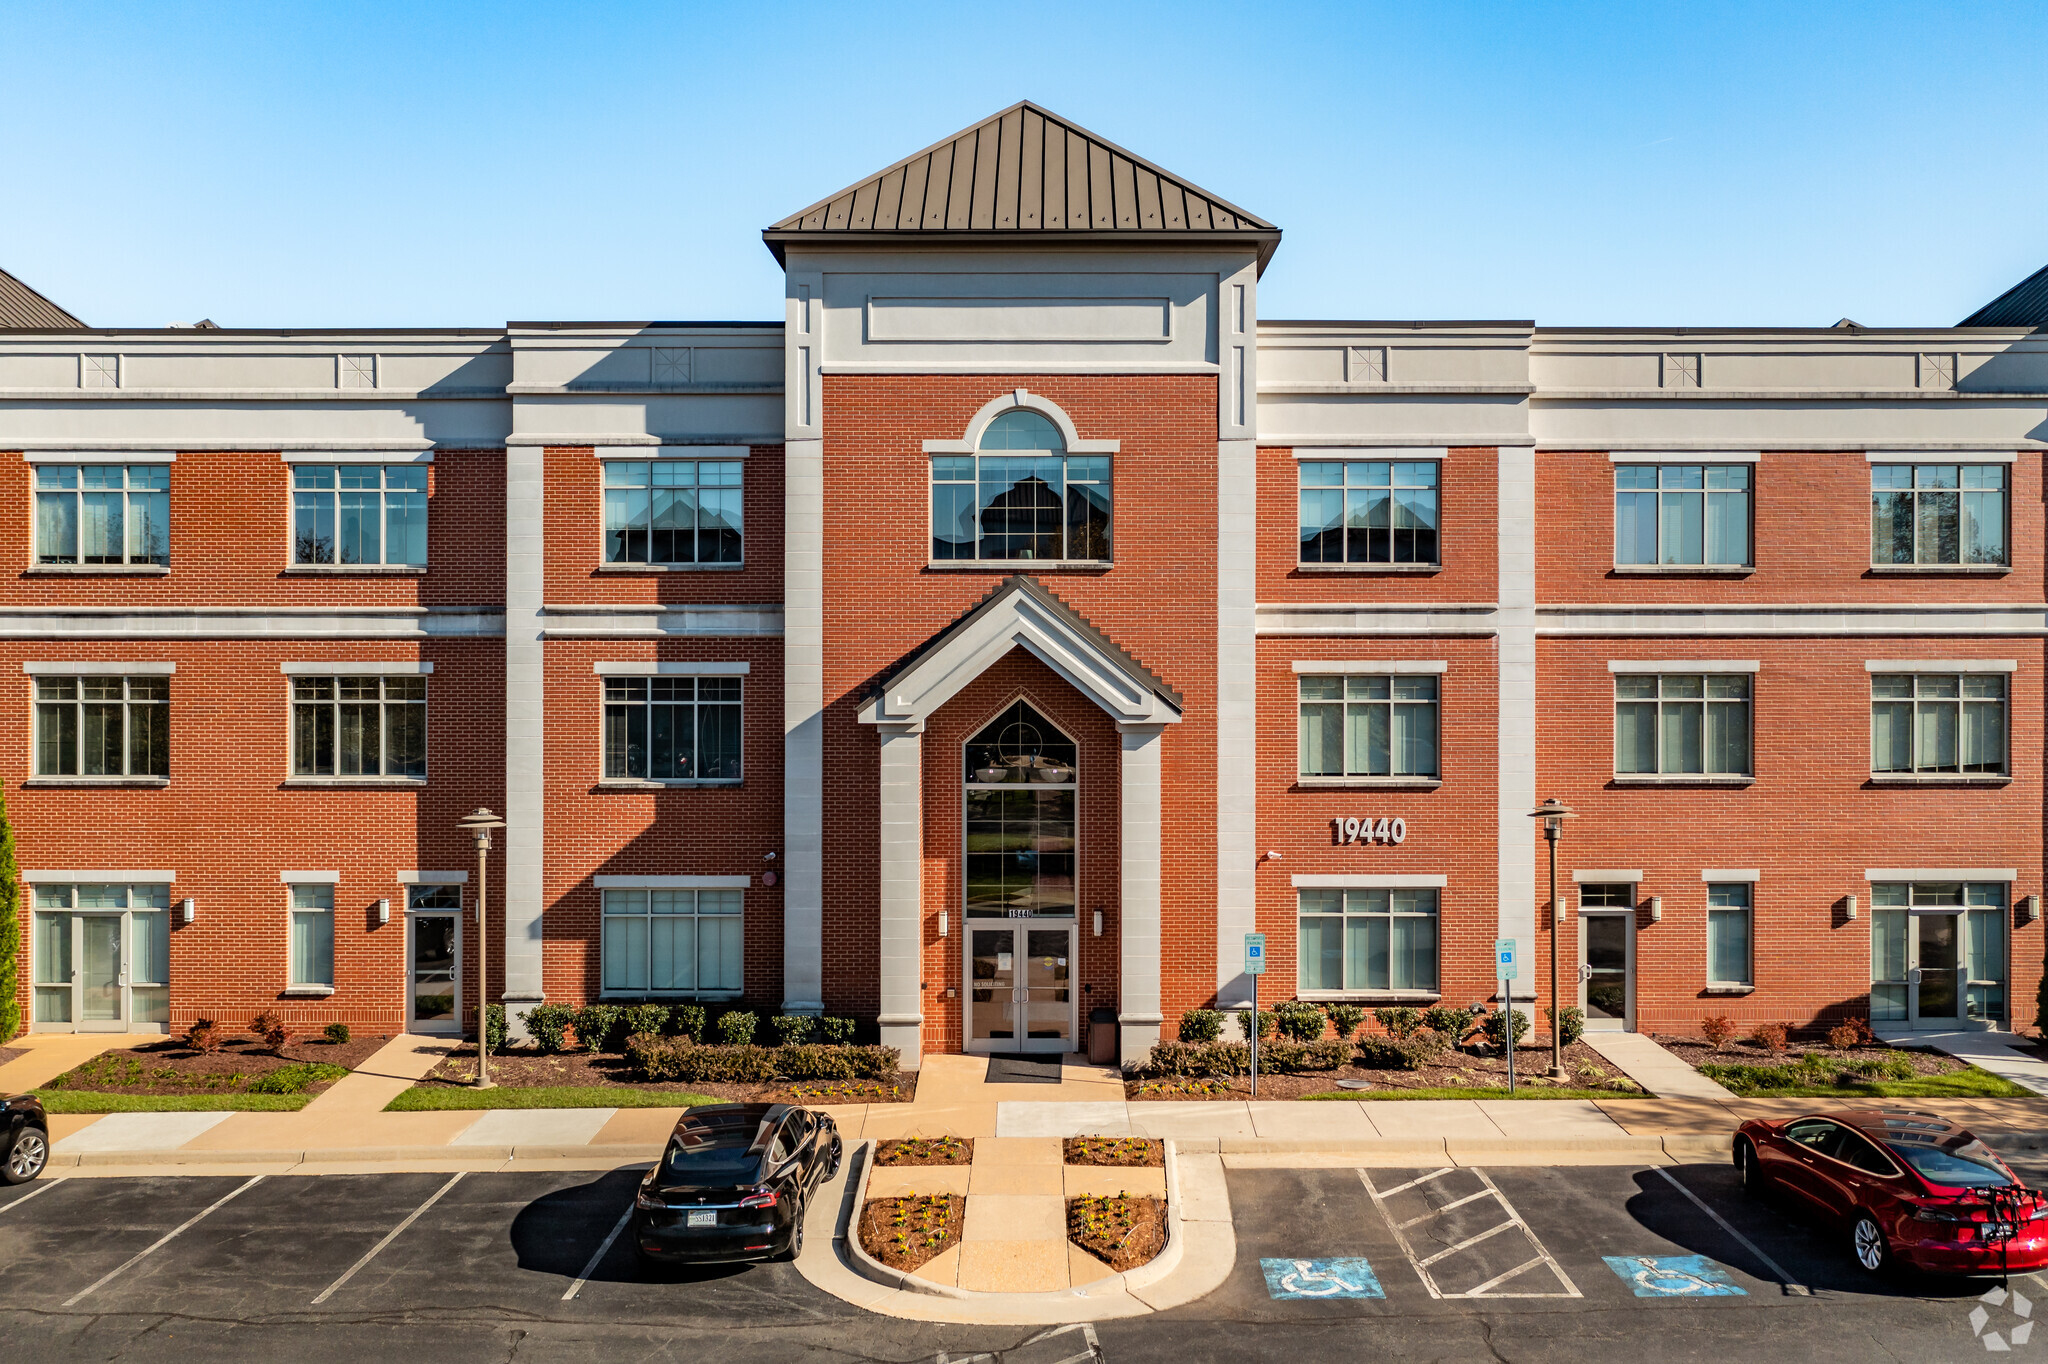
(796, 1238)
(1751, 1170)
(27, 1156)
(832, 1165)
(1867, 1243)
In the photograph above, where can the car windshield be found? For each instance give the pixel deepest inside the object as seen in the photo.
(1969, 1165)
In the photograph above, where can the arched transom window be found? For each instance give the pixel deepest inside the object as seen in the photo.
(1021, 792)
(1020, 496)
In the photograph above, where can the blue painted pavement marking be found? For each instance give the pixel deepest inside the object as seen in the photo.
(1674, 1276)
(1344, 1278)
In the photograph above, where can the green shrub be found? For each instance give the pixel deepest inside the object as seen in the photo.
(638, 1018)
(1739, 1076)
(1345, 1018)
(1494, 1024)
(736, 1027)
(1244, 1024)
(1398, 1022)
(1300, 1021)
(687, 1020)
(665, 1059)
(595, 1024)
(548, 1025)
(1286, 1057)
(295, 1079)
(792, 1029)
(1574, 1025)
(1406, 1051)
(1448, 1023)
(1201, 1025)
(836, 1032)
(494, 1028)
(1182, 1059)
(337, 1033)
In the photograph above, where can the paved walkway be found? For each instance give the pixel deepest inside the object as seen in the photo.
(50, 1054)
(1652, 1067)
(1998, 1052)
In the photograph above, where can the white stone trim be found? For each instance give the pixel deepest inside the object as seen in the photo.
(707, 668)
(1751, 875)
(263, 622)
(323, 668)
(1367, 881)
(672, 882)
(803, 700)
(524, 840)
(1024, 398)
(1941, 665)
(1790, 621)
(1237, 714)
(310, 878)
(58, 877)
(145, 452)
(98, 457)
(1338, 620)
(433, 878)
(574, 440)
(1600, 876)
(631, 621)
(1139, 939)
(671, 450)
(100, 668)
(1941, 874)
(1947, 456)
(1390, 453)
(1683, 665)
(1484, 440)
(1689, 456)
(356, 456)
(1371, 665)
(900, 887)
(1516, 655)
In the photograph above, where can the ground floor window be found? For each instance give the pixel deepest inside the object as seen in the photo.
(101, 955)
(1373, 939)
(312, 936)
(1952, 934)
(1728, 935)
(683, 941)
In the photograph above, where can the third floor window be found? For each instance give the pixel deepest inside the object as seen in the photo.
(366, 514)
(672, 511)
(1674, 515)
(1937, 514)
(1369, 512)
(103, 513)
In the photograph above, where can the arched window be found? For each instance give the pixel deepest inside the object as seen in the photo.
(1020, 496)
(1021, 791)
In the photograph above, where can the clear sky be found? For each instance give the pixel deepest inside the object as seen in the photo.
(439, 162)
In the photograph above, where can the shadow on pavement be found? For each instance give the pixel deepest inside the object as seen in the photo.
(558, 1232)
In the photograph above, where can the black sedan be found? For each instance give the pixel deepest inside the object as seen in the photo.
(24, 1139)
(734, 1184)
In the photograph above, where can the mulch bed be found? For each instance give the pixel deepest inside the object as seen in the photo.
(904, 1233)
(1121, 1231)
(926, 1151)
(1694, 1051)
(1116, 1151)
(604, 1069)
(1458, 1070)
(12, 1054)
(170, 1067)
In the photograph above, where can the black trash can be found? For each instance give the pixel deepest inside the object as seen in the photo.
(1102, 1037)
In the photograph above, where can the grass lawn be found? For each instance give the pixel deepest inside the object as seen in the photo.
(94, 1101)
(1971, 1082)
(1475, 1092)
(432, 1098)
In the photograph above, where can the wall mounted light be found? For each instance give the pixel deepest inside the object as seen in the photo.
(1271, 856)
(1656, 909)
(942, 923)
(188, 908)
(383, 911)
(1849, 906)
(1098, 923)
(2032, 908)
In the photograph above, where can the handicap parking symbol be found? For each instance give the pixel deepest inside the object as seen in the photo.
(1674, 1276)
(1343, 1278)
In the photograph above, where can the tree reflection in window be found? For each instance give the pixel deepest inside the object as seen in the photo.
(1021, 788)
(1021, 497)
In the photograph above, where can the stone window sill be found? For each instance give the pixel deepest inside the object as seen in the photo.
(356, 570)
(668, 568)
(97, 781)
(307, 991)
(1939, 570)
(649, 784)
(1368, 568)
(1939, 779)
(90, 570)
(1686, 570)
(353, 781)
(1019, 565)
(1383, 998)
(1395, 783)
(1648, 779)
(1731, 989)
(684, 995)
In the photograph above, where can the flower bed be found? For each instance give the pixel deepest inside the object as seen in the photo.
(1440, 1072)
(606, 1080)
(1121, 1230)
(1115, 1151)
(904, 1233)
(240, 1073)
(926, 1151)
(1752, 1067)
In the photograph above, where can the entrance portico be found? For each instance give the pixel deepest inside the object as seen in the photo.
(1020, 614)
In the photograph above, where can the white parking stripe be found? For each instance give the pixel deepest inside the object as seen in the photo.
(45, 1187)
(1454, 1203)
(588, 1269)
(389, 1237)
(1497, 1280)
(1403, 1188)
(159, 1243)
(1791, 1285)
(1466, 1244)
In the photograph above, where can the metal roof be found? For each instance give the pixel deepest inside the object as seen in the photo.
(2023, 305)
(21, 306)
(1024, 170)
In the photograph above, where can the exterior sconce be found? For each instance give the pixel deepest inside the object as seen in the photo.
(942, 923)
(1849, 906)
(1271, 856)
(188, 909)
(1098, 923)
(1656, 909)
(2032, 906)
(383, 911)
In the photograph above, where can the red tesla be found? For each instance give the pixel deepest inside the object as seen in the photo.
(1913, 1188)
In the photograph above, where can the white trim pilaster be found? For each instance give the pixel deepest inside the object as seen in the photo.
(901, 874)
(525, 728)
(1138, 912)
(1237, 714)
(1515, 622)
(803, 651)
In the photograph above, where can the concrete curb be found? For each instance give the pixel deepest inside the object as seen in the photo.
(623, 1154)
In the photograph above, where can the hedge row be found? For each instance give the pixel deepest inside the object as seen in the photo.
(1235, 1058)
(606, 1027)
(655, 1058)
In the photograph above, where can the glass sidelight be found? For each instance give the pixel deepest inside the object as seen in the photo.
(101, 958)
(1020, 994)
(1938, 954)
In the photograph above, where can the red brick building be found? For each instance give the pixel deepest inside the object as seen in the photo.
(1011, 628)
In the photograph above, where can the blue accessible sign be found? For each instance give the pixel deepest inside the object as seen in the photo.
(1255, 954)
(1674, 1276)
(1504, 958)
(1342, 1278)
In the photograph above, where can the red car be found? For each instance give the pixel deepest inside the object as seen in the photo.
(1913, 1188)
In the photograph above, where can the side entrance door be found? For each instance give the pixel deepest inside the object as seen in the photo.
(1018, 994)
(1607, 959)
(433, 991)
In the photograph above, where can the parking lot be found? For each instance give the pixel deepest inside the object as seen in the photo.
(1587, 1262)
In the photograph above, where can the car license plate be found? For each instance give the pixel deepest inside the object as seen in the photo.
(706, 1218)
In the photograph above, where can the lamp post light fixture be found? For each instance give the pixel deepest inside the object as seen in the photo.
(479, 823)
(1553, 813)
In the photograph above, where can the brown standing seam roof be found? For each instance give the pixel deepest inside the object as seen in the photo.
(1024, 170)
(21, 306)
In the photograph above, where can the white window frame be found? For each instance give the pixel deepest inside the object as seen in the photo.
(698, 674)
(79, 675)
(1395, 675)
(1342, 886)
(695, 887)
(1706, 466)
(337, 465)
(1707, 672)
(311, 884)
(385, 676)
(1748, 884)
(1389, 456)
(155, 885)
(2002, 462)
(1962, 674)
(76, 465)
(670, 455)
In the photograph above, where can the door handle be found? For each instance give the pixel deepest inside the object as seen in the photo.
(1913, 976)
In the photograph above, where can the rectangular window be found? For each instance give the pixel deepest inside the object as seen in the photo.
(1937, 514)
(1369, 512)
(1353, 941)
(103, 727)
(1369, 725)
(1682, 724)
(103, 514)
(672, 511)
(672, 728)
(1682, 514)
(672, 941)
(141, 963)
(1979, 910)
(359, 514)
(1728, 935)
(359, 726)
(1036, 505)
(312, 936)
(1937, 723)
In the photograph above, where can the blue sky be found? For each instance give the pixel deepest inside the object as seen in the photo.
(451, 163)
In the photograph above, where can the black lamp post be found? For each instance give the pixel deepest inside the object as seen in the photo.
(479, 822)
(1553, 813)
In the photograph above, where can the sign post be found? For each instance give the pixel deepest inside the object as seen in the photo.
(1255, 966)
(1504, 967)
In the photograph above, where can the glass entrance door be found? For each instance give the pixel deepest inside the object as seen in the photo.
(1932, 987)
(1938, 954)
(1019, 991)
(100, 975)
(433, 989)
(1606, 969)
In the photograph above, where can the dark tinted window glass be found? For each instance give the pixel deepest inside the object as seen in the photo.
(1969, 1165)
(1864, 1156)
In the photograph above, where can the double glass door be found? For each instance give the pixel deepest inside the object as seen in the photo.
(101, 959)
(1019, 990)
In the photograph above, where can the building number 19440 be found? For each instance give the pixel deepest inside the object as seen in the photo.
(1344, 831)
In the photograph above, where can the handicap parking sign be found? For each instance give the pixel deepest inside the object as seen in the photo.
(1674, 1276)
(1342, 1278)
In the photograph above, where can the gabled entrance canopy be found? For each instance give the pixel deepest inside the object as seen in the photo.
(1021, 612)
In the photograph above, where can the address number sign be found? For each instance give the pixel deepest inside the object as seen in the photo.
(1388, 831)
